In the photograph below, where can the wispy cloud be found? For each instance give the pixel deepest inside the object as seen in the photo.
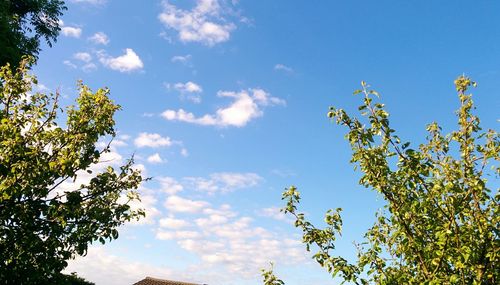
(70, 64)
(282, 67)
(184, 59)
(89, 67)
(189, 90)
(99, 38)
(83, 56)
(274, 213)
(220, 237)
(246, 105)
(224, 182)
(205, 23)
(188, 87)
(39, 87)
(84, 62)
(169, 185)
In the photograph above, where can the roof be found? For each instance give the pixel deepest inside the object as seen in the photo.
(156, 281)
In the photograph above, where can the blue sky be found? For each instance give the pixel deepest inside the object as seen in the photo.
(224, 105)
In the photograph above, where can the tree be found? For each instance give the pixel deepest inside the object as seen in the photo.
(73, 279)
(270, 278)
(41, 225)
(23, 23)
(441, 221)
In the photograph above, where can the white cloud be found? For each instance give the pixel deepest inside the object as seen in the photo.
(227, 248)
(223, 247)
(152, 140)
(274, 213)
(222, 238)
(124, 137)
(282, 67)
(263, 98)
(236, 180)
(188, 90)
(224, 182)
(164, 235)
(99, 38)
(155, 158)
(188, 87)
(169, 185)
(184, 152)
(85, 60)
(140, 167)
(148, 204)
(246, 106)
(284, 173)
(41, 88)
(101, 267)
(106, 159)
(89, 67)
(173, 223)
(183, 116)
(205, 23)
(83, 56)
(181, 58)
(216, 182)
(181, 205)
(128, 62)
(224, 210)
(115, 160)
(211, 220)
(70, 64)
(73, 32)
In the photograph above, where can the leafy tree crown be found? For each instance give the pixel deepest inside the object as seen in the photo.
(24, 23)
(441, 221)
(42, 225)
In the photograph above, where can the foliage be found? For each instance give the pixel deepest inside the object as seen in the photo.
(42, 226)
(441, 222)
(270, 278)
(73, 279)
(23, 23)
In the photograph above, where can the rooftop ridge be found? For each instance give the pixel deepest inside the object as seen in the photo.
(157, 281)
